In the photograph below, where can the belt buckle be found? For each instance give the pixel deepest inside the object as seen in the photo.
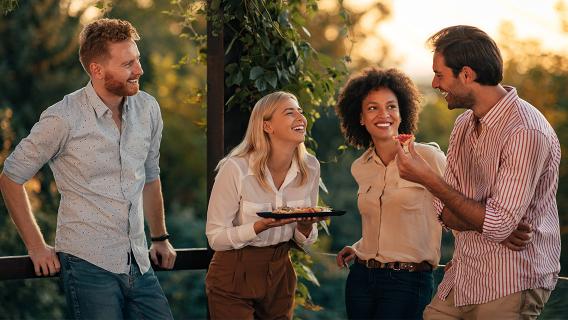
(368, 263)
(396, 266)
(411, 267)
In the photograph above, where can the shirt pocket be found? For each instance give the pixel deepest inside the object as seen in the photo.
(250, 210)
(368, 199)
(411, 196)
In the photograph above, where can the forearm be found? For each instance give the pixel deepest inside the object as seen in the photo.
(154, 208)
(19, 208)
(221, 237)
(453, 222)
(463, 212)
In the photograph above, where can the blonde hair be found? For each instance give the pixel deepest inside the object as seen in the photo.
(256, 142)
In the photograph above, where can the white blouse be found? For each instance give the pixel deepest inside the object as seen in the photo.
(237, 197)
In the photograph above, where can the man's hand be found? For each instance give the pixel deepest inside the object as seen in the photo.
(412, 167)
(520, 238)
(345, 256)
(45, 260)
(163, 254)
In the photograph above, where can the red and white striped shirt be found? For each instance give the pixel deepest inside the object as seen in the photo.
(512, 167)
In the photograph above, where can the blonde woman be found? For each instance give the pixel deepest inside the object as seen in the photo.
(251, 275)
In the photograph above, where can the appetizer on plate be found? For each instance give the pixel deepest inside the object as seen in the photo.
(290, 210)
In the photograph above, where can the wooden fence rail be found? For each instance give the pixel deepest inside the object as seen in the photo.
(21, 267)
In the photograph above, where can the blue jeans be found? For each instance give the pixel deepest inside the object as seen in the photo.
(94, 293)
(387, 294)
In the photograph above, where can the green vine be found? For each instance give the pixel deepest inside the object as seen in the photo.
(8, 5)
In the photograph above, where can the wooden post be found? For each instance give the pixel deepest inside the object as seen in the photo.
(215, 92)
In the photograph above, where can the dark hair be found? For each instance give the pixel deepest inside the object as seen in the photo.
(94, 39)
(469, 46)
(358, 87)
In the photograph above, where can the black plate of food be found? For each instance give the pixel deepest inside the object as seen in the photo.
(278, 214)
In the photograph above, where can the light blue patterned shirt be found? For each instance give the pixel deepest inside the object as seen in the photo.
(100, 174)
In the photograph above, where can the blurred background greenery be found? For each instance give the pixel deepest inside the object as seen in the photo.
(39, 65)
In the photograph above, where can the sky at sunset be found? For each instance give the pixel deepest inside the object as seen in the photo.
(412, 22)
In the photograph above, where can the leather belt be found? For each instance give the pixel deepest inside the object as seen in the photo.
(397, 266)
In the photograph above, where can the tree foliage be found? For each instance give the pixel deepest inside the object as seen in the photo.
(38, 67)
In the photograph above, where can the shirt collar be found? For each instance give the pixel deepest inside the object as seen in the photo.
(369, 154)
(501, 107)
(98, 105)
(294, 167)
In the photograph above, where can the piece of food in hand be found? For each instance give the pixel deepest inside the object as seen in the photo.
(404, 139)
(290, 210)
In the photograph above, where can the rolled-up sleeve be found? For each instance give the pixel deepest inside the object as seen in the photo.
(522, 161)
(46, 139)
(152, 163)
(223, 208)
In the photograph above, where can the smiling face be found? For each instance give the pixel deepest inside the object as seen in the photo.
(451, 87)
(380, 114)
(287, 123)
(122, 69)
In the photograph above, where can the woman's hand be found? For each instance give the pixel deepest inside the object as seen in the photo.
(305, 224)
(345, 256)
(267, 223)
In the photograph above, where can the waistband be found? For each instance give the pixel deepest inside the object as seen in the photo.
(267, 253)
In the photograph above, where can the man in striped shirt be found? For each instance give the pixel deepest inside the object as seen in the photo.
(502, 173)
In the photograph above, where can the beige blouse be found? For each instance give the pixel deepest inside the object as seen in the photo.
(398, 217)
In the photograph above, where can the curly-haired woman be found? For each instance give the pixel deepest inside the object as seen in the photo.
(391, 277)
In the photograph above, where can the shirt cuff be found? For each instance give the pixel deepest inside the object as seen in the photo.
(439, 207)
(13, 177)
(306, 241)
(246, 234)
(495, 228)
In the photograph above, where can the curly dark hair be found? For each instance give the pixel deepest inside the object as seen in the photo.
(351, 96)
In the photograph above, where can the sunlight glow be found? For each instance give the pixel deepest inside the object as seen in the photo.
(412, 22)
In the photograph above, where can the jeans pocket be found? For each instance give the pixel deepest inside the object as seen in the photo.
(72, 258)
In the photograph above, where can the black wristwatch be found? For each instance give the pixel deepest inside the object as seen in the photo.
(163, 237)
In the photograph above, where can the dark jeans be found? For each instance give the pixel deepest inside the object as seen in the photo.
(386, 293)
(94, 293)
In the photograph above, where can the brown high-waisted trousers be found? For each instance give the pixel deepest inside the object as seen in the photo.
(251, 283)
